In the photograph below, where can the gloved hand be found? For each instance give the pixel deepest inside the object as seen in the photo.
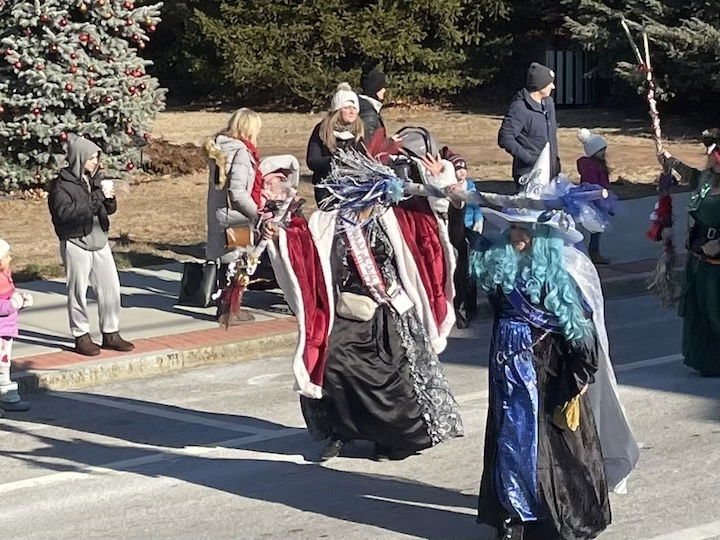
(16, 300)
(28, 300)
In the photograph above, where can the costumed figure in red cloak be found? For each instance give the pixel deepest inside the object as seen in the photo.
(369, 278)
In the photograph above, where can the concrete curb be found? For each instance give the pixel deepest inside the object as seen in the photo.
(86, 374)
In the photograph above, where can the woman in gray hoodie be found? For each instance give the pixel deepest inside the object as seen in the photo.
(234, 187)
(80, 203)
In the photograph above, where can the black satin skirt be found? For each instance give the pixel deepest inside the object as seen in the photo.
(368, 388)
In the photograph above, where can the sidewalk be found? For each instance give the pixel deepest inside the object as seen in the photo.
(170, 337)
(167, 337)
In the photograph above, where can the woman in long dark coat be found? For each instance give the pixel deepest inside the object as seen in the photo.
(700, 299)
(543, 467)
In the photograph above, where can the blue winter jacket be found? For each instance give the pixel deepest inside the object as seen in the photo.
(527, 126)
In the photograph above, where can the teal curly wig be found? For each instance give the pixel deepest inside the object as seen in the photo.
(542, 273)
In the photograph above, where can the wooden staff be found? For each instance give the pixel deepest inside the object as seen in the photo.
(645, 66)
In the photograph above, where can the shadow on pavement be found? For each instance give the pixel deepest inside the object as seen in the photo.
(391, 503)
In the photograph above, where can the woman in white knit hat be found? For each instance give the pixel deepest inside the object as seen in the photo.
(341, 128)
(593, 169)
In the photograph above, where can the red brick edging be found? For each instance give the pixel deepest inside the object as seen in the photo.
(185, 341)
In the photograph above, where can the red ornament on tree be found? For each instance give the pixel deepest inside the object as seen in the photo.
(63, 136)
(18, 65)
(142, 87)
(141, 44)
(73, 56)
(91, 82)
(39, 67)
(83, 37)
(53, 48)
(44, 17)
(129, 166)
(146, 136)
(129, 5)
(69, 87)
(108, 99)
(152, 28)
(129, 130)
(28, 32)
(36, 112)
(129, 21)
(63, 22)
(73, 69)
(9, 52)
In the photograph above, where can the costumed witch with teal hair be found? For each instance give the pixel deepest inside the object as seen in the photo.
(557, 440)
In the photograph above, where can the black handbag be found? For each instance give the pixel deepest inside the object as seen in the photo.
(199, 282)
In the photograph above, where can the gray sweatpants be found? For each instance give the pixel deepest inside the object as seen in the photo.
(95, 269)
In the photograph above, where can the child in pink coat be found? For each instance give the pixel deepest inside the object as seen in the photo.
(593, 169)
(11, 302)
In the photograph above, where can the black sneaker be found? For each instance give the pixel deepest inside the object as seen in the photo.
(331, 450)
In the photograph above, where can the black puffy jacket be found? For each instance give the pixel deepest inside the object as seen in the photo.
(72, 206)
(371, 118)
(319, 158)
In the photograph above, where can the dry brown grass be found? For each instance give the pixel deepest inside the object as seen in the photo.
(163, 218)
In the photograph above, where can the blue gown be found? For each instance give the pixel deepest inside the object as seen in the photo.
(551, 478)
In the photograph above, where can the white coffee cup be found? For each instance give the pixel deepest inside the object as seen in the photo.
(107, 187)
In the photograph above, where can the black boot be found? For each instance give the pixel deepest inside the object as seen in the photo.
(116, 343)
(511, 529)
(460, 321)
(15, 406)
(385, 453)
(332, 449)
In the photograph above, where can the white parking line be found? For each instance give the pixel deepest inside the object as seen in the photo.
(650, 362)
(707, 531)
(165, 454)
(186, 417)
(455, 509)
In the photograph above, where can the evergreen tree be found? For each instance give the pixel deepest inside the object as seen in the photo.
(296, 51)
(71, 66)
(684, 43)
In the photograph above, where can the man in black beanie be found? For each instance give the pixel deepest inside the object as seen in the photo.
(530, 123)
(371, 98)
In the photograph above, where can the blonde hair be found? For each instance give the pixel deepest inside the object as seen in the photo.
(244, 123)
(333, 122)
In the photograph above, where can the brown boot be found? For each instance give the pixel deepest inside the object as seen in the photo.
(116, 343)
(84, 345)
(242, 317)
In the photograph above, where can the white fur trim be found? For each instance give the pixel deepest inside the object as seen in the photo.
(286, 278)
(412, 282)
(283, 161)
